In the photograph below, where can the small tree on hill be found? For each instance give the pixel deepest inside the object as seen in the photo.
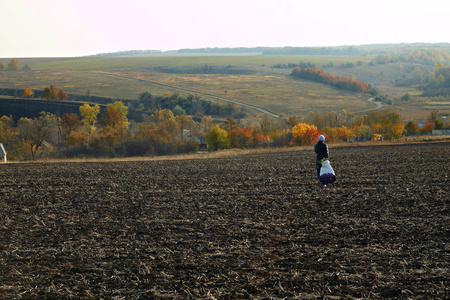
(54, 91)
(62, 95)
(46, 94)
(13, 65)
(27, 92)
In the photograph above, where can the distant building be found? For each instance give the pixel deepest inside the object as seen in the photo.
(441, 132)
(188, 136)
(2, 152)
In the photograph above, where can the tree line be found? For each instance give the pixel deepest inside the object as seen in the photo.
(338, 81)
(110, 134)
(186, 104)
(13, 65)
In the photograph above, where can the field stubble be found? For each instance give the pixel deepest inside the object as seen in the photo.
(253, 226)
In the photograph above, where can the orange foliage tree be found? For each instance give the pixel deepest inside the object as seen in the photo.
(241, 138)
(54, 92)
(305, 134)
(62, 95)
(27, 92)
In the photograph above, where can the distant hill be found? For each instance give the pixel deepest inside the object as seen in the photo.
(370, 49)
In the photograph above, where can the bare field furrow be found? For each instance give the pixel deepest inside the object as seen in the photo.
(254, 226)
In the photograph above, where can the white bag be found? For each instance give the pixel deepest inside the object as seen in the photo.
(326, 168)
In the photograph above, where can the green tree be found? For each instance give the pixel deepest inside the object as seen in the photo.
(266, 124)
(406, 97)
(46, 94)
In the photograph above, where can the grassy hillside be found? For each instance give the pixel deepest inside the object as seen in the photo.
(246, 79)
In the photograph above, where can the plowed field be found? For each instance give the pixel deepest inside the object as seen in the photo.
(255, 226)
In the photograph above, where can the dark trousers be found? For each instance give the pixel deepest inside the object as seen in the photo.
(318, 166)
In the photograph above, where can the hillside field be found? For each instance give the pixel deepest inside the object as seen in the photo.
(246, 227)
(250, 80)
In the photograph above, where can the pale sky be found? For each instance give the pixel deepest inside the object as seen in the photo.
(46, 28)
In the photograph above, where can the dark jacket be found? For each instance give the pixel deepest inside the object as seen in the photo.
(321, 150)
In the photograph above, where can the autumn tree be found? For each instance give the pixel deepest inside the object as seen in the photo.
(396, 131)
(305, 134)
(72, 132)
(241, 138)
(280, 137)
(412, 127)
(13, 65)
(123, 110)
(54, 92)
(62, 95)
(7, 131)
(184, 122)
(47, 93)
(34, 132)
(230, 124)
(89, 115)
(27, 92)
(217, 138)
(266, 124)
(165, 119)
(112, 128)
(206, 123)
(70, 122)
(292, 120)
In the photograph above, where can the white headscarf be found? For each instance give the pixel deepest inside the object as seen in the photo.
(321, 138)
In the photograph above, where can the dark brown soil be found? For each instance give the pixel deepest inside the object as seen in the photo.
(255, 226)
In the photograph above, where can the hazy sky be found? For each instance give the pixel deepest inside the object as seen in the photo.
(32, 28)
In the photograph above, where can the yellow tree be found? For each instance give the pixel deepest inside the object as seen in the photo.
(217, 138)
(112, 127)
(397, 130)
(89, 114)
(305, 134)
(7, 131)
(165, 118)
